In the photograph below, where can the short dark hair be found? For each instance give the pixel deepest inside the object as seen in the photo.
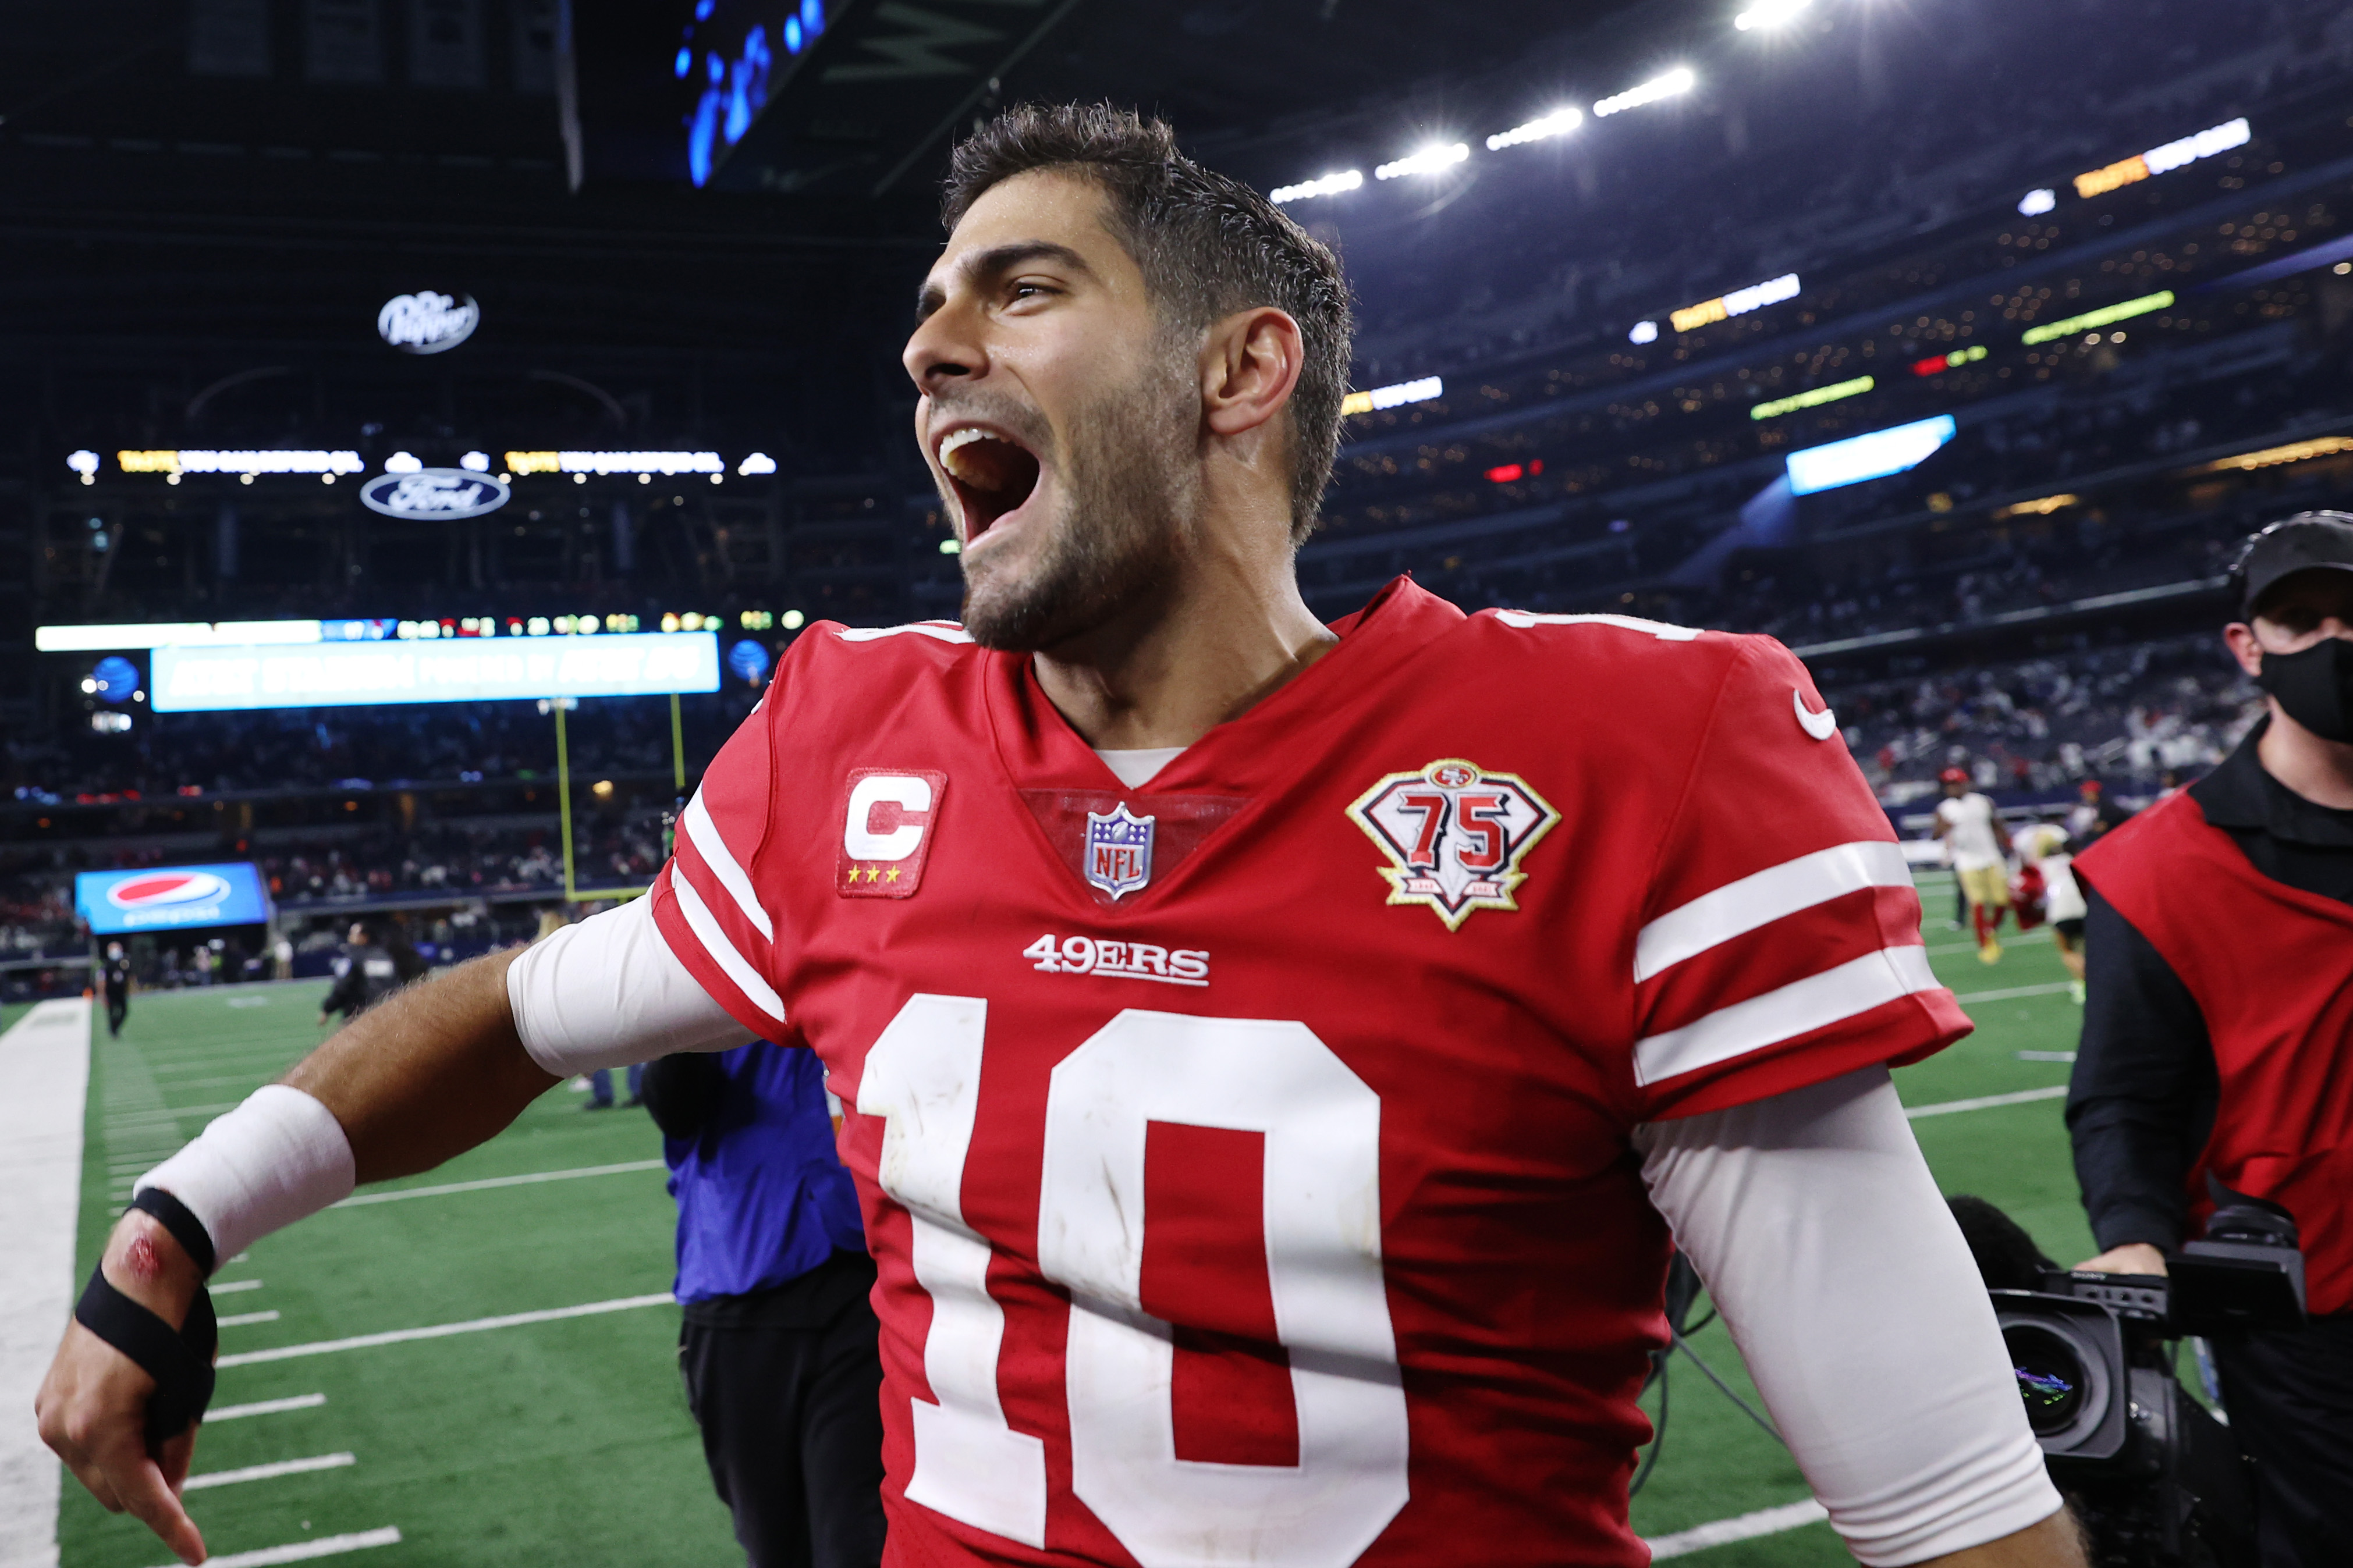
(1208, 245)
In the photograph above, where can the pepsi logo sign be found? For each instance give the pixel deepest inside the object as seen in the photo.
(168, 890)
(433, 492)
(428, 324)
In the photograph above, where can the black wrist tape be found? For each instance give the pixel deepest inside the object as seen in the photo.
(179, 1360)
(185, 1227)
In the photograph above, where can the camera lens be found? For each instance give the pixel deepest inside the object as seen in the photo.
(2051, 1377)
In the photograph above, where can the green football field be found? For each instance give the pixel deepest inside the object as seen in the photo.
(565, 1438)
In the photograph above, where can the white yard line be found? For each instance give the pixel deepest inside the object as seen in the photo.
(1723, 1533)
(303, 1550)
(1986, 1102)
(2052, 989)
(231, 1286)
(487, 1183)
(265, 1408)
(269, 1471)
(44, 1065)
(443, 1330)
(239, 1319)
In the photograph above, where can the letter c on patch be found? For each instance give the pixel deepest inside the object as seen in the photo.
(910, 794)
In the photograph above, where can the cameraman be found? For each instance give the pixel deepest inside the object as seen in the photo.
(2218, 1032)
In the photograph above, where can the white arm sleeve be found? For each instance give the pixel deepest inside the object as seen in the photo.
(1845, 1282)
(609, 991)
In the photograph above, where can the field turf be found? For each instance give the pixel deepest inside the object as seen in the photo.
(568, 1441)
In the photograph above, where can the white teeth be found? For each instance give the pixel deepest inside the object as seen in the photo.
(956, 442)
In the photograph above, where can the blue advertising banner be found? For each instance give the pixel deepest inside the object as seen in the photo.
(163, 898)
(196, 679)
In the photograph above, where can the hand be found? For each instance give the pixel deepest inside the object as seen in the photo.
(2132, 1257)
(93, 1407)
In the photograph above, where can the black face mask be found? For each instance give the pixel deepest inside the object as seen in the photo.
(2314, 687)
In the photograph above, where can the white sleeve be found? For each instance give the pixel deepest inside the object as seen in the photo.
(1845, 1282)
(609, 991)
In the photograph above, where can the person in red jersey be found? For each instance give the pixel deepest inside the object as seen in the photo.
(1280, 1055)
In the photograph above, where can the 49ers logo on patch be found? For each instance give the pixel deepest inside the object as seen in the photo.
(886, 831)
(1454, 833)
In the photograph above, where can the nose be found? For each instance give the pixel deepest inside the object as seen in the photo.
(942, 348)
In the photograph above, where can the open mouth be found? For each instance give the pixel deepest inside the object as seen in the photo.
(993, 475)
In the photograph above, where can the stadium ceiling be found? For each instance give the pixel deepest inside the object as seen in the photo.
(873, 103)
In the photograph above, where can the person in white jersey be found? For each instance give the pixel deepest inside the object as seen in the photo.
(1974, 836)
(2045, 847)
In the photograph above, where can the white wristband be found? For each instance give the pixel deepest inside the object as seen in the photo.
(280, 1157)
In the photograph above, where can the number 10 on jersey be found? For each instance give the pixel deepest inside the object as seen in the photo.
(1323, 1226)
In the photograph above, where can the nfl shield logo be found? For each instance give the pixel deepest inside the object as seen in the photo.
(1118, 851)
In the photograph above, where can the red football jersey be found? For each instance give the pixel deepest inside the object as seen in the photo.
(1245, 1155)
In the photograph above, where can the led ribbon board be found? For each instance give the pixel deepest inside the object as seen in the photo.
(207, 680)
(2090, 320)
(163, 898)
(1739, 302)
(2163, 160)
(1393, 395)
(1872, 456)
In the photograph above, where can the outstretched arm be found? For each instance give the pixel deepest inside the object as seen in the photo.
(437, 1068)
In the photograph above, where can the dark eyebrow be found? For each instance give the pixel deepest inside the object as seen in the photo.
(982, 266)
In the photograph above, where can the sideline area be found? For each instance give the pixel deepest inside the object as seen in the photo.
(44, 1068)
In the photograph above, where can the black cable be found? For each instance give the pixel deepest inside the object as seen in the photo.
(1658, 1433)
(1725, 1389)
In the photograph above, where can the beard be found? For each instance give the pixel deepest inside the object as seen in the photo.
(1127, 505)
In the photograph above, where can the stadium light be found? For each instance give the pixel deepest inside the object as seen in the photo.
(1307, 190)
(2099, 318)
(1428, 161)
(1559, 122)
(1739, 302)
(404, 463)
(757, 463)
(1643, 332)
(475, 462)
(2034, 203)
(1868, 457)
(2163, 160)
(1392, 396)
(1768, 14)
(1678, 80)
(1814, 399)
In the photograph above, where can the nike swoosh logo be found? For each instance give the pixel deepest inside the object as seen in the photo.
(1822, 726)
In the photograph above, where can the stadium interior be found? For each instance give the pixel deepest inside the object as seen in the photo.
(1955, 344)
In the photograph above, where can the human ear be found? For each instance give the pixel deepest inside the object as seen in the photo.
(2241, 639)
(1249, 366)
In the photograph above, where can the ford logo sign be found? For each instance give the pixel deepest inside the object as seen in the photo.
(433, 492)
(426, 322)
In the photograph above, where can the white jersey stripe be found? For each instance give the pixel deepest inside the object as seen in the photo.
(1741, 907)
(1797, 1008)
(733, 964)
(705, 833)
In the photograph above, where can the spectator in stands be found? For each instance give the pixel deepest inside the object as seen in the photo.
(2217, 1057)
(778, 1344)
